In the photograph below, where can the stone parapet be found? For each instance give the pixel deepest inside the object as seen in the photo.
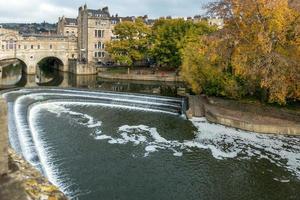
(140, 77)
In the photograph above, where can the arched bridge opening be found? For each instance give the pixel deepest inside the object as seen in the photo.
(12, 73)
(49, 71)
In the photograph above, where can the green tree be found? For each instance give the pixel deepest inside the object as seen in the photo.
(132, 43)
(168, 39)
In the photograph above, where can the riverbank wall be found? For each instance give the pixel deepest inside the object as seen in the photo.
(141, 77)
(3, 138)
(243, 116)
(18, 179)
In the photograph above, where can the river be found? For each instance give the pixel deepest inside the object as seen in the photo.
(109, 143)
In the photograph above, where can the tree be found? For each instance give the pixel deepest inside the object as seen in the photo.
(259, 49)
(132, 43)
(168, 39)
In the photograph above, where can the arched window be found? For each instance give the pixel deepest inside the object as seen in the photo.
(11, 44)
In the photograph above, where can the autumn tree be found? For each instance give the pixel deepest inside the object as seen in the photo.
(258, 50)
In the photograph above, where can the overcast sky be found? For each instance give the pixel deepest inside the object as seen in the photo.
(50, 10)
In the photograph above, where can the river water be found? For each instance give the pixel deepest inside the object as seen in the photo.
(95, 145)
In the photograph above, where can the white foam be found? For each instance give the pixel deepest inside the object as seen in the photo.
(281, 180)
(59, 109)
(103, 137)
(151, 148)
(225, 142)
(142, 128)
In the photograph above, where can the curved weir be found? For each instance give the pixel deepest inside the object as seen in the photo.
(92, 143)
(25, 104)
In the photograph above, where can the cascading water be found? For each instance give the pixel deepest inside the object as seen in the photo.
(95, 144)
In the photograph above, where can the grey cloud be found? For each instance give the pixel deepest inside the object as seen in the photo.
(50, 10)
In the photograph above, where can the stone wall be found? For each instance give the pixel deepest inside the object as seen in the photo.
(3, 138)
(140, 77)
(82, 68)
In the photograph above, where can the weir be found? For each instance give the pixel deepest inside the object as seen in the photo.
(63, 132)
(21, 101)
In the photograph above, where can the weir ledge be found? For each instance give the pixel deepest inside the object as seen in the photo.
(253, 118)
(18, 179)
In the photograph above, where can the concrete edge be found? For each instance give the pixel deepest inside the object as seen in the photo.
(197, 103)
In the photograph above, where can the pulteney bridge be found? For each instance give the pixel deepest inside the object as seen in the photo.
(31, 49)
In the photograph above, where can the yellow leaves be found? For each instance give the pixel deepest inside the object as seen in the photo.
(260, 50)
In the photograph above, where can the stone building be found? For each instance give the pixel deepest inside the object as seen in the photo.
(94, 31)
(67, 26)
(216, 22)
(210, 20)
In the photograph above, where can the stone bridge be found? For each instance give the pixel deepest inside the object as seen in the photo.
(31, 49)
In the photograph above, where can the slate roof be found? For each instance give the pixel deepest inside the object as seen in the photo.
(70, 21)
(102, 12)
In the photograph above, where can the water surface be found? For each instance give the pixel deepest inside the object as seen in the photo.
(140, 148)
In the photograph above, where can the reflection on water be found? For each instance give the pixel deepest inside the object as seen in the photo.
(12, 76)
(147, 87)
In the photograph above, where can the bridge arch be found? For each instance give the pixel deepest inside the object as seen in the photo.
(22, 62)
(48, 71)
(12, 72)
(53, 61)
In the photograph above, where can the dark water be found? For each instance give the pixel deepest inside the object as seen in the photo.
(14, 77)
(130, 151)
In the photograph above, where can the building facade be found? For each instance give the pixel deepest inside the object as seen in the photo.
(67, 26)
(31, 49)
(94, 31)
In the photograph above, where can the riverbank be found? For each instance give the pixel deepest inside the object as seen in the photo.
(140, 74)
(23, 181)
(245, 116)
(18, 179)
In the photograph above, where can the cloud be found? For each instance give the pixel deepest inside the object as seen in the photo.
(50, 10)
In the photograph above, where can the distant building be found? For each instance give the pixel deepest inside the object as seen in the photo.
(211, 21)
(67, 26)
(94, 28)
(216, 22)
